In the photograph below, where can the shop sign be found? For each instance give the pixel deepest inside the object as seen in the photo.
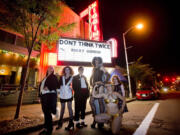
(83, 50)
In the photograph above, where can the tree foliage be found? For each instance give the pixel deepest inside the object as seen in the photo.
(38, 21)
(142, 72)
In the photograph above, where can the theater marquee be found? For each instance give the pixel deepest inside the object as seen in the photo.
(83, 50)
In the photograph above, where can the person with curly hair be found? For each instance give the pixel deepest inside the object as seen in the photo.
(66, 96)
(99, 74)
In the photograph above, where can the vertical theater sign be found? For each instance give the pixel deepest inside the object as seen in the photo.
(94, 24)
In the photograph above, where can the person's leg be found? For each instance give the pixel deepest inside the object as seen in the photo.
(71, 124)
(97, 107)
(93, 108)
(46, 106)
(83, 110)
(48, 121)
(53, 101)
(60, 122)
(116, 124)
(77, 109)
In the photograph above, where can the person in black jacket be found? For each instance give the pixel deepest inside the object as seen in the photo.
(81, 93)
(48, 96)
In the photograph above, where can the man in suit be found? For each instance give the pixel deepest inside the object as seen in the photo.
(81, 93)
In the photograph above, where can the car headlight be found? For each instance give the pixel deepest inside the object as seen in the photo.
(165, 89)
(137, 94)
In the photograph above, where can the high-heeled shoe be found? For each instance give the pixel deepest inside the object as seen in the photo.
(83, 124)
(60, 124)
(70, 126)
(78, 125)
(93, 125)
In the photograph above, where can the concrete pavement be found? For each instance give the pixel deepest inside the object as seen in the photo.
(34, 111)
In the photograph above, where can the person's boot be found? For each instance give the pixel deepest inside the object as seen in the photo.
(78, 125)
(100, 125)
(93, 125)
(70, 126)
(83, 124)
(60, 124)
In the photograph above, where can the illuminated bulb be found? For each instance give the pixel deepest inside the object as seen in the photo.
(139, 26)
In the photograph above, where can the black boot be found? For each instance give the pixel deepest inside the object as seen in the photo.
(70, 126)
(100, 125)
(60, 124)
(78, 125)
(83, 124)
(93, 125)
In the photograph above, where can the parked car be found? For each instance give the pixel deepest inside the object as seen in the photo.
(147, 93)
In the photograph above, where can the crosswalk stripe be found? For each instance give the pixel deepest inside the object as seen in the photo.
(142, 129)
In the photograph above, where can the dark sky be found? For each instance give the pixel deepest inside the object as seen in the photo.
(157, 42)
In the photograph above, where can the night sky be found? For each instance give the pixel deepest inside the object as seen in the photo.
(157, 42)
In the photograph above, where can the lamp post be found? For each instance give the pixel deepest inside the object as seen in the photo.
(139, 26)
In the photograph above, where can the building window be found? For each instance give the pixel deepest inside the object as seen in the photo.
(7, 37)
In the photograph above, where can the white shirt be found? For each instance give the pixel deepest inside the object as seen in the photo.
(83, 82)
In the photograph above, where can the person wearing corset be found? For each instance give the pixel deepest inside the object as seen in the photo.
(81, 93)
(66, 97)
(48, 97)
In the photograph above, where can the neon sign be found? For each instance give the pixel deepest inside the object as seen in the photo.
(114, 44)
(94, 28)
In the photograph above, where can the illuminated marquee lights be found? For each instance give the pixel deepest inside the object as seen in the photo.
(114, 44)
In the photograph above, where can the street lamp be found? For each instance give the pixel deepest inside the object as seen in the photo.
(139, 26)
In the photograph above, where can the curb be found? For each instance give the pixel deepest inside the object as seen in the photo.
(40, 126)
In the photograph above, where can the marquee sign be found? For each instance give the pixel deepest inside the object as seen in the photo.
(83, 50)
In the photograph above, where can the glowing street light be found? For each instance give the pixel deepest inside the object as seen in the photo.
(138, 26)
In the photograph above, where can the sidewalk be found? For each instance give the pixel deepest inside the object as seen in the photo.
(31, 116)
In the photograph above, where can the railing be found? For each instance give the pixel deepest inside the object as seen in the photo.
(9, 87)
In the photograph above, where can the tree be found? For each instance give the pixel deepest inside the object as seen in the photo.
(38, 21)
(142, 72)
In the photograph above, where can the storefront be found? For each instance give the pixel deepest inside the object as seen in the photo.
(11, 68)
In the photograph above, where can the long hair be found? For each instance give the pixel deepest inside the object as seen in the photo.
(115, 76)
(63, 70)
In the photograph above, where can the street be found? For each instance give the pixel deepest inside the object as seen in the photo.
(166, 119)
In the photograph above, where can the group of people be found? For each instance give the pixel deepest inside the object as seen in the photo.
(107, 99)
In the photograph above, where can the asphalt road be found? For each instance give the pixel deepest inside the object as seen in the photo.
(165, 121)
